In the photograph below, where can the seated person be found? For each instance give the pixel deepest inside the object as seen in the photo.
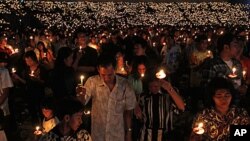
(70, 114)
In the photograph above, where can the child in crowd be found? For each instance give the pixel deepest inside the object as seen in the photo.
(70, 112)
(50, 120)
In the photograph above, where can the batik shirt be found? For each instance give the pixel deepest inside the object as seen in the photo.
(217, 127)
(55, 135)
(107, 121)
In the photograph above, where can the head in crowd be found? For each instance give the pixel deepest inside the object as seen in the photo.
(70, 112)
(64, 57)
(228, 44)
(202, 42)
(48, 107)
(221, 93)
(30, 58)
(41, 46)
(140, 46)
(106, 68)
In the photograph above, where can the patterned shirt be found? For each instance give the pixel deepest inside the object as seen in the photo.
(107, 121)
(55, 135)
(218, 68)
(216, 126)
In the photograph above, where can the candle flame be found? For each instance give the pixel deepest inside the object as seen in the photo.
(37, 128)
(161, 74)
(233, 70)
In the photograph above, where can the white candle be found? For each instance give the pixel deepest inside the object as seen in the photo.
(209, 39)
(16, 50)
(142, 75)
(13, 70)
(81, 78)
(244, 72)
(233, 70)
(32, 73)
(161, 74)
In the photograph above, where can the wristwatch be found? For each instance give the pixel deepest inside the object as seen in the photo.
(129, 129)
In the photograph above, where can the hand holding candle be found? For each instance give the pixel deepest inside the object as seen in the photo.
(38, 131)
(199, 129)
(233, 75)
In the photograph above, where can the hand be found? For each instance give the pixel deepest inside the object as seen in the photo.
(166, 85)
(138, 112)
(80, 91)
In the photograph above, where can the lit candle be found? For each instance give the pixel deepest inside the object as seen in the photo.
(222, 32)
(142, 75)
(244, 72)
(233, 75)
(87, 112)
(161, 74)
(208, 53)
(233, 70)
(16, 50)
(44, 54)
(199, 129)
(154, 44)
(31, 37)
(13, 70)
(209, 39)
(32, 73)
(37, 131)
(164, 43)
(81, 78)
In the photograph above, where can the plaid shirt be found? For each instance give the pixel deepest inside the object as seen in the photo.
(216, 67)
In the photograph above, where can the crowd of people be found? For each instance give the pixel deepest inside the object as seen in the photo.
(105, 85)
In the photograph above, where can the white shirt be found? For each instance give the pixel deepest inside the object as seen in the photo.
(107, 121)
(5, 82)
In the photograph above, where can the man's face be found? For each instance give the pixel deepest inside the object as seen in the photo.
(154, 87)
(75, 121)
(107, 73)
(81, 38)
(234, 48)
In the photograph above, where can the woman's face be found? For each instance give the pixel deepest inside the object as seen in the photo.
(222, 98)
(69, 60)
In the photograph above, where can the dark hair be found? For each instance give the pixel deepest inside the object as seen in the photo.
(48, 103)
(62, 54)
(68, 106)
(44, 46)
(225, 39)
(216, 84)
(31, 54)
(105, 60)
(201, 38)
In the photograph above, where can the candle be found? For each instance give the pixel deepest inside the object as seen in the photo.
(233, 75)
(81, 78)
(199, 129)
(244, 72)
(164, 43)
(31, 37)
(154, 44)
(209, 39)
(13, 70)
(16, 50)
(233, 70)
(37, 131)
(44, 55)
(142, 75)
(87, 112)
(32, 73)
(161, 74)
(208, 53)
